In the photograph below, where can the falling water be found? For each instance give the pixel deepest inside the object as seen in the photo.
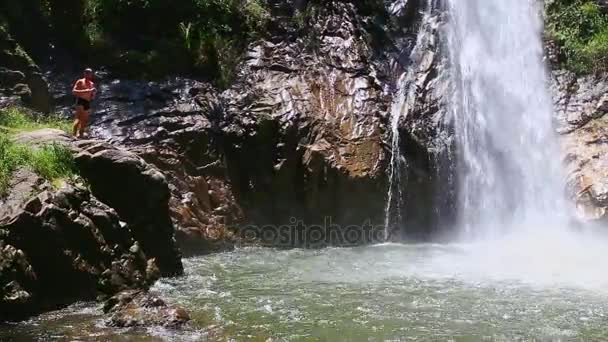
(401, 106)
(394, 204)
(508, 155)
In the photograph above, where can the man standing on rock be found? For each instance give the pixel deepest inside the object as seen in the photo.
(85, 91)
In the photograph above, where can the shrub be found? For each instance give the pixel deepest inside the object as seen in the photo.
(171, 36)
(581, 30)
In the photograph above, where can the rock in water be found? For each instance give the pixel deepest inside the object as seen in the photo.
(142, 309)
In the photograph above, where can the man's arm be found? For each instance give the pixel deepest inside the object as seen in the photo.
(77, 91)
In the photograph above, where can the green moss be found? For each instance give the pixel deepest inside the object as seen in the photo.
(17, 119)
(581, 30)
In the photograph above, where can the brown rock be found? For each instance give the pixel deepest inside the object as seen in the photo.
(143, 309)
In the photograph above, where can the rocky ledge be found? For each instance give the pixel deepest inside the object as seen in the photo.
(61, 243)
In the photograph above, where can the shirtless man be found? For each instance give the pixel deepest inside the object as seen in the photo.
(85, 91)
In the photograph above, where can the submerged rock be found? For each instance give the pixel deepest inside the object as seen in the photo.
(134, 308)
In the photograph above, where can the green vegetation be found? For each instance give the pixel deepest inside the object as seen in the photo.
(142, 38)
(16, 119)
(580, 27)
(156, 36)
(51, 162)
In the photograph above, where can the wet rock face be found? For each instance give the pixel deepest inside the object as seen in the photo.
(300, 135)
(168, 125)
(305, 123)
(134, 308)
(582, 105)
(426, 130)
(324, 95)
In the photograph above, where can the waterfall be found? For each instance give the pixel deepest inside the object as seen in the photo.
(402, 104)
(508, 156)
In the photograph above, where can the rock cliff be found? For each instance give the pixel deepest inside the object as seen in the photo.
(60, 243)
(301, 134)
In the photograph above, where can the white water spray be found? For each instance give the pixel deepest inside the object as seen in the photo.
(509, 164)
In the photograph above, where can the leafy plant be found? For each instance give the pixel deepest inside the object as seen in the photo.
(186, 31)
(49, 161)
(580, 27)
(52, 162)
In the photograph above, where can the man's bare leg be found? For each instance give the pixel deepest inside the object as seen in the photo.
(77, 121)
(84, 122)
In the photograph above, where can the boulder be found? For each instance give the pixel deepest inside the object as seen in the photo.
(44, 136)
(140, 195)
(61, 245)
(135, 308)
(136, 190)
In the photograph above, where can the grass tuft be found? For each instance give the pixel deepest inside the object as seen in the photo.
(51, 162)
(16, 119)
